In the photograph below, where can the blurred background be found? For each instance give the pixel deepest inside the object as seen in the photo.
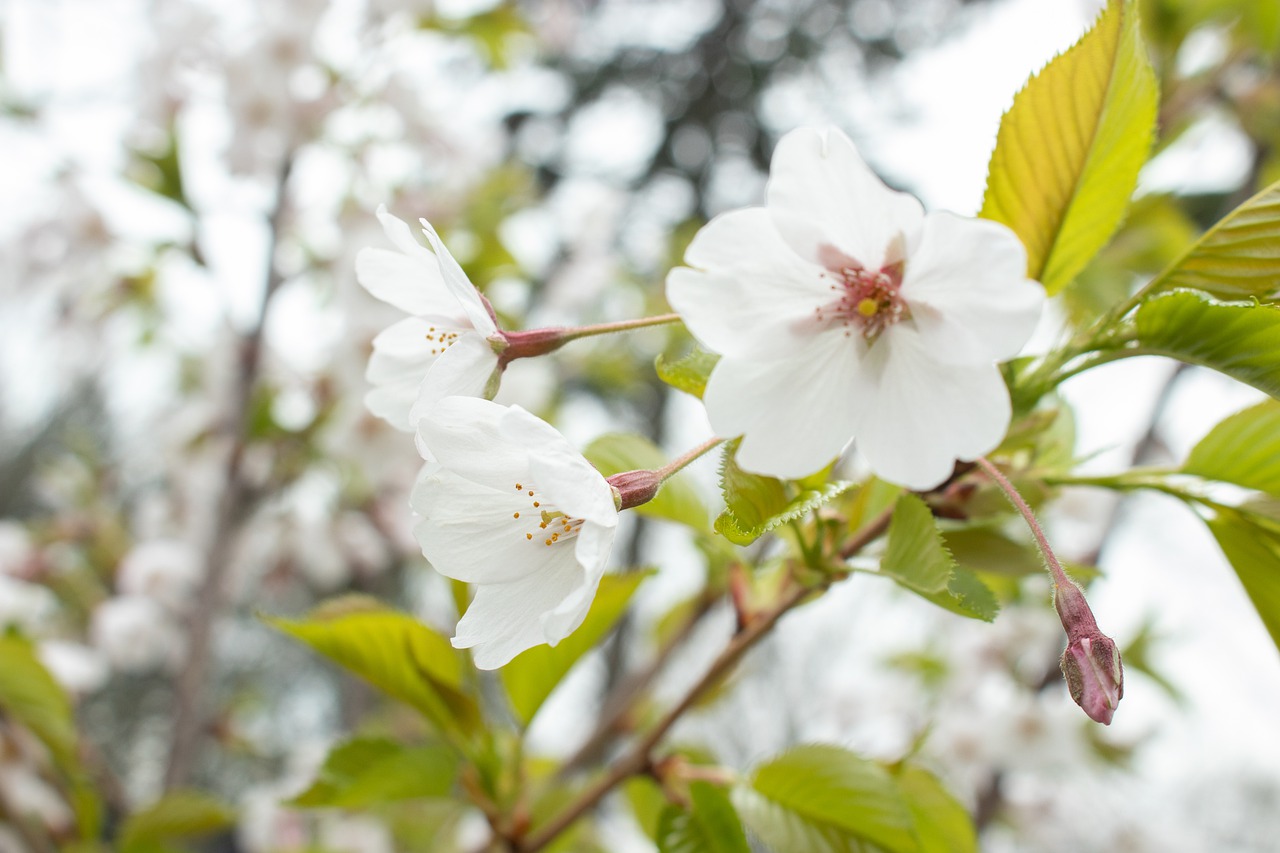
(183, 445)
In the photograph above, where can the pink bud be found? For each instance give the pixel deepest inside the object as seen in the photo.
(1091, 663)
(531, 343)
(632, 488)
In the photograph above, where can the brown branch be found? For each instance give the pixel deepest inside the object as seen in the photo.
(639, 758)
(233, 508)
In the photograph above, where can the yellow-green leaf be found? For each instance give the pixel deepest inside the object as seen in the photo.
(30, 696)
(1237, 257)
(1244, 449)
(1069, 150)
(677, 500)
(177, 816)
(1253, 550)
(397, 654)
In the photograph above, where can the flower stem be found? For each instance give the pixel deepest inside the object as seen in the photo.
(671, 468)
(619, 326)
(1055, 568)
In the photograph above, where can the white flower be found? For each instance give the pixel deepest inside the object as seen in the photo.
(507, 504)
(841, 309)
(136, 634)
(443, 348)
(164, 569)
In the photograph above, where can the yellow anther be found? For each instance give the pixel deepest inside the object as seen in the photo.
(868, 307)
(515, 515)
(528, 536)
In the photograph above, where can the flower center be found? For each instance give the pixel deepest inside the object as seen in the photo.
(441, 339)
(546, 525)
(866, 301)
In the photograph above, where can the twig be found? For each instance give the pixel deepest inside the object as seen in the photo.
(233, 507)
(639, 758)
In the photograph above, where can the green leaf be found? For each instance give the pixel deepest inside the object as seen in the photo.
(365, 772)
(534, 673)
(942, 824)
(785, 831)
(918, 559)
(710, 826)
(177, 816)
(687, 373)
(1254, 552)
(1240, 339)
(833, 793)
(756, 504)
(30, 696)
(394, 652)
(677, 500)
(1068, 152)
(983, 549)
(1239, 257)
(1244, 449)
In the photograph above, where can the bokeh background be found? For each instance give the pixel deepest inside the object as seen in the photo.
(184, 187)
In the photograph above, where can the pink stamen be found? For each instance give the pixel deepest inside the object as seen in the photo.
(867, 301)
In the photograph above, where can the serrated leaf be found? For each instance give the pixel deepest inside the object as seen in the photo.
(985, 550)
(398, 655)
(1069, 150)
(1254, 552)
(1239, 257)
(30, 696)
(942, 825)
(756, 504)
(177, 816)
(687, 373)
(918, 559)
(534, 673)
(1244, 449)
(785, 831)
(365, 772)
(710, 826)
(677, 500)
(833, 789)
(1240, 339)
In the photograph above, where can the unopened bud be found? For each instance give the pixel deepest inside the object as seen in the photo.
(632, 488)
(1091, 663)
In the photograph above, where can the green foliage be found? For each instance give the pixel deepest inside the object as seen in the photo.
(687, 373)
(1244, 449)
(177, 816)
(1252, 546)
(710, 825)
(677, 500)
(756, 504)
(942, 824)
(918, 559)
(365, 772)
(1240, 339)
(1069, 150)
(984, 549)
(534, 673)
(30, 696)
(1239, 257)
(395, 653)
(827, 800)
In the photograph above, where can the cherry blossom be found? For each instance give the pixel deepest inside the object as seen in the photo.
(841, 309)
(506, 503)
(442, 348)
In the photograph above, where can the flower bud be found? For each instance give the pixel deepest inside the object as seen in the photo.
(632, 488)
(1091, 662)
(530, 343)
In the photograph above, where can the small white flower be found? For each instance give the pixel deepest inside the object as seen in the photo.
(136, 634)
(507, 504)
(167, 570)
(841, 309)
(442, 349)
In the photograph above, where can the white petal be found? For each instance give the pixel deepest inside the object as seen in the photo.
(968, 291)
(465, 369)
(470, 533)
(409, 282)
(749, 293)
(924, 415)
(505, 619)
(568, 480)
(796, 414)
(458, 283)
(822, 194)
(463, 434)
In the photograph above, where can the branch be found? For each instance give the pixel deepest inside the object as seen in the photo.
(234, 506)
(639, 758)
